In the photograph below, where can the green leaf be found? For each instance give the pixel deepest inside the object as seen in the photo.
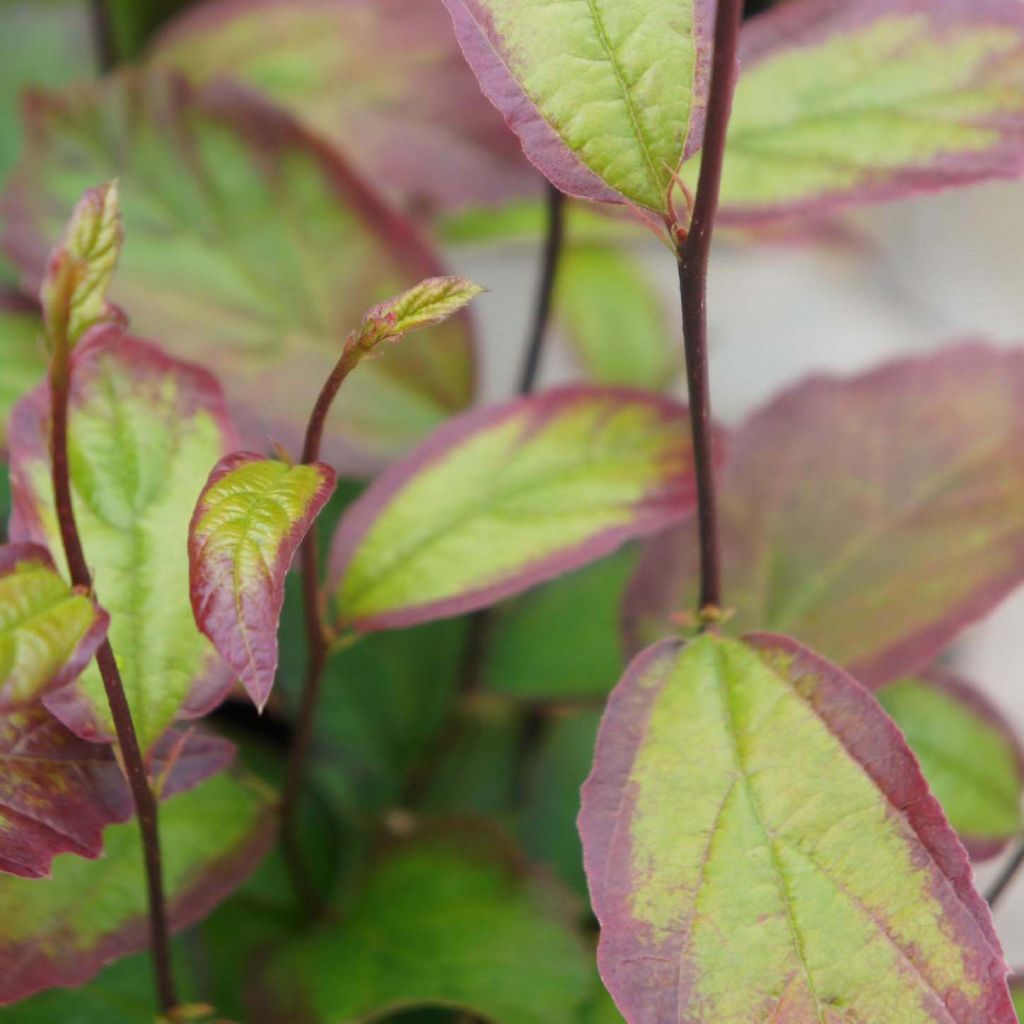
(506, 497)
(22, 355)
(1017, 990)
(91, 912)
(607, 100)
(761, 845)
(144, 431)
(438, 927)
(968, 753)
(615, 319)
(251, 249)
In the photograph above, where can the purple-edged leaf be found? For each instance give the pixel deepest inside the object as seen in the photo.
(968, 752)
(761, 846)
(871, 517)
(48, 631)
(248, 523)
(63, 931)
(607, 99)
(505, 497)
(252, 249)
(383, 80)
(144, 430)
(22, 353)
(842, 102)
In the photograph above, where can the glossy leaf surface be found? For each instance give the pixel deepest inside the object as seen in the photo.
(144, 431)
(872, 517)
(844, 102)
(735, 884)
(48, 631)
(503, 498)
(250, 518)
(91, 912)
(968, 753)
(436, 927)
(607, 99)
(251, 248)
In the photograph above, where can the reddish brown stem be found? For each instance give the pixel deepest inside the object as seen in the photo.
(124, 727)
(1006, 877)
(693, 256)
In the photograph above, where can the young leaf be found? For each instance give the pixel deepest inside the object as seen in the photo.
(607, 100)
(80, 269)
(248, 523)
(253, 249)
(505, 497)
(968, 753)
(872, 518)
(144, 430)
(91, 912)
(48, 632)
(22, 353)
(844, 102)
(737, 883)
(437, 926)
(418, 126)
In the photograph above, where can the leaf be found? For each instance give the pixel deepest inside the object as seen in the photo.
(415, 124)
(913, 527)
(252, 249)
(736, 882)
(249, 521)
(437, 926)
(92, 912)
(22, 353)
(503, 498)
(615, 320)
(1017, 991)
(841, 103)
(144, 431)
(607, 101)
(81, 268)
(968, 753)
(48, 631)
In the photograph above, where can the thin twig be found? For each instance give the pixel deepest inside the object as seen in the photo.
(124, 727)
(693, 254)
(1006, 876)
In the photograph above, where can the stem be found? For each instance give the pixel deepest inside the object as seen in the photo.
(103, 36)
(693, 254)
(124, 727)
(1006, 877)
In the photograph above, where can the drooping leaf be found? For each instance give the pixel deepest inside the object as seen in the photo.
(417, 125)
(438, 926)
(48, 631)
(81, 267)
(968, 753)
(849, 102)
(615, 320)
(144, 431)
(871, 517)
(250, 518)
(607, 100)
(22, 353)
(737, 883)
(505, 497)
(91, 912)
(251, 248)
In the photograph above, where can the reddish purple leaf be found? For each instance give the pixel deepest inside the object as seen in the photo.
(250, 519)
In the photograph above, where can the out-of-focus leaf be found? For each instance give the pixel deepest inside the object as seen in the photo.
(506, 497)
(606, 103)
(48, 631)
(415, 123)
(968, 753)
(601, 1011)
(1017, 991)
(844, 102)
(872, 517)
(734, 882)
(615, 320)
(143, 433)
(22, 353)
(561, 640)
(91, 912)
(250, 248)
(250, 518)
(436, 926)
